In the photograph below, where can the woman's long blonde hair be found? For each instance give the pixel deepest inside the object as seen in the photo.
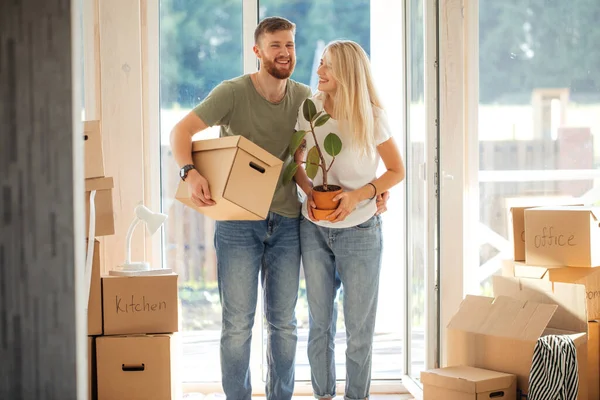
(355, 95)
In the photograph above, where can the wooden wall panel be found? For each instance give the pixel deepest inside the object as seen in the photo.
(38, 208)
(122, 121)
(151, 121)
(452, 155)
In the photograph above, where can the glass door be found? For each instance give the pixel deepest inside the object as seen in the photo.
(201, 45)
(375, 26)
(422, 333)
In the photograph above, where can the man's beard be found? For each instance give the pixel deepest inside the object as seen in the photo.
(271, 68)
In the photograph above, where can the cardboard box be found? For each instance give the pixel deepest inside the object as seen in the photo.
(570, 315)
(588, 277)
(562, 236)
(500, 334)
(140, 304)
(541, 279)
(94, 312)
(518, 232)
(105, 219)
(468, 383)
(594, 360)
(93, 151)
(517, 207)
(91, 363)
(242, 178)
(138, 367)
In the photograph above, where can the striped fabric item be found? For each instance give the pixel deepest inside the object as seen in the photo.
(553, 374)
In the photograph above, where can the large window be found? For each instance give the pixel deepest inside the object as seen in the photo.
(539, 109)
(201, 45)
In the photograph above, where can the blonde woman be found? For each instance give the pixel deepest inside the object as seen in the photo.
(346, 248)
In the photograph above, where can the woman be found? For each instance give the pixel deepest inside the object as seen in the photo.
(347, 247)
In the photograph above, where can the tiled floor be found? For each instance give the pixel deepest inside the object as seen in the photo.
(373, 397)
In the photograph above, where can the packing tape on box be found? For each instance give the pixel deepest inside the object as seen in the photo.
(87, 273)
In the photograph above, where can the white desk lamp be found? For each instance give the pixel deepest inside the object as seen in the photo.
(153, 222)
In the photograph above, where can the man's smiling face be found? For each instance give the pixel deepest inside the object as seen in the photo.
(277, 53)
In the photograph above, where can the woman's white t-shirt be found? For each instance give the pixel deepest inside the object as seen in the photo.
(350, 170)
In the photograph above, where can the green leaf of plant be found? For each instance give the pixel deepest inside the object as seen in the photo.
(313, 156)
(309, 110)
(297, 139)
(311, 170)
(312, 162)
(332, 144)
(322, 120)
(289, 173)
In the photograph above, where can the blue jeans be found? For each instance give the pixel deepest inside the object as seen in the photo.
(245, 249)
(352, 257)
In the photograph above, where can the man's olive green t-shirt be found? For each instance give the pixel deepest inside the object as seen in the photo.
(237, 107)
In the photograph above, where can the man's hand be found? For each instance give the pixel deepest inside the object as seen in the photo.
(310, 204)
(199, 189)
(381, 202)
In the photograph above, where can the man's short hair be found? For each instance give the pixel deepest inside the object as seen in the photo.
(271, 25)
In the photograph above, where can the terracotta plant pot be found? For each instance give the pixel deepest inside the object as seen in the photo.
(321, 215)
(324, 202)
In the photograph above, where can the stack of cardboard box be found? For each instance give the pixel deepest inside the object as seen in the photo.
(560, 247)
(549, 288)
(95, 179)
(136, 358)
(132, 320)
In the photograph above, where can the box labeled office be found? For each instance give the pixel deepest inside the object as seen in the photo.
(562, 236)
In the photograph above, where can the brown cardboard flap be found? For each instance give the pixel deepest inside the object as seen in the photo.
(571, 314)
(99, 184)
(594, 211)
(502, 316)
(236, 141)
(532, 272)
(553, 274)
(594, 359)
(215, 144)
(467, 379)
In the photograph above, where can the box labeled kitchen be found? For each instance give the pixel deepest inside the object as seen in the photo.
(140, 304)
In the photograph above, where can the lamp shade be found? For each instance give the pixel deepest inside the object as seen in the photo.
(152, 220)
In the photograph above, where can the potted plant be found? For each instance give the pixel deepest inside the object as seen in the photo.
(322, 194)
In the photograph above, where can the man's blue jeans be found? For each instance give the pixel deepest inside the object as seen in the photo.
(352, 256)
(245, 249)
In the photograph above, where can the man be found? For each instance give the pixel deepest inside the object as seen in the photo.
(263, 107)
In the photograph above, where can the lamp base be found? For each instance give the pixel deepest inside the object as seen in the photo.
(138, 269)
